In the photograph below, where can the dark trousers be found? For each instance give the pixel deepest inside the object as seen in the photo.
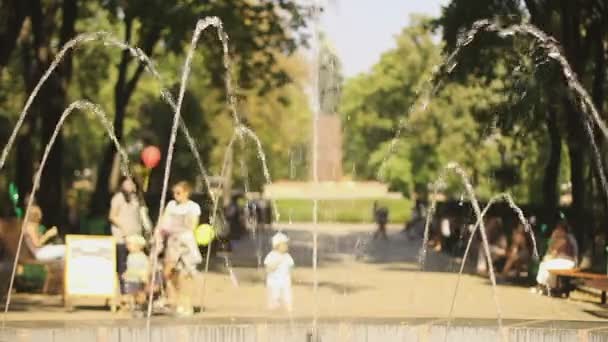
(381, 231)
(121, 262)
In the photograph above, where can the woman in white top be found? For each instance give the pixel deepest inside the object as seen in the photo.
(560, 255)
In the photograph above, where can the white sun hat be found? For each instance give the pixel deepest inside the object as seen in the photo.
(279, 238)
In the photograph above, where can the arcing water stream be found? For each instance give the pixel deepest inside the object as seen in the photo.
(550, 48)
(100, 114)
(546, 43)
(109, 40)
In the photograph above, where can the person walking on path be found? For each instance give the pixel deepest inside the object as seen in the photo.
(381, 219)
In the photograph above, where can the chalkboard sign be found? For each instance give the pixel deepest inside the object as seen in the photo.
(90, 266)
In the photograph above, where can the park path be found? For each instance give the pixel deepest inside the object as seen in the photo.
(358, 278)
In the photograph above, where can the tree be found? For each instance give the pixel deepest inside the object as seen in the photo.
(281, 119)
(32, 26)
(12, 16)
(256, 28)
(456, 121)
(581, 30)
(373, 104)
(31, 32)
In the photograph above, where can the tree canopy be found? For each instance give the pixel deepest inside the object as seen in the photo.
(263, 40)
(500, 106)
(437, 126)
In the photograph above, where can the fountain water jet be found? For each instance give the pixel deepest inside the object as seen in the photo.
(316, 104)
(551, 49)
(81, 105)
(456, 169)
(231, 100)
(522, 219)
(590, 115)
(262, 157)
(109, 40)
(200, 27)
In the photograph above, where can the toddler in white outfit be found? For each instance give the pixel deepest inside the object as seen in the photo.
(278, 265)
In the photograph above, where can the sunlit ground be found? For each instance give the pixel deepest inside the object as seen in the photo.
(375, 280)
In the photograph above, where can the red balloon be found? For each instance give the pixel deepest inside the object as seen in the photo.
(150, 156)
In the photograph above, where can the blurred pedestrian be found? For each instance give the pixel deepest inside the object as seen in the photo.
(518, 254)
(381, 219)
(234, 217)
(497, 241)
(125, 220)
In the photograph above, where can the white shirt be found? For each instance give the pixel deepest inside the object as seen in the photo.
(177, 214)
(282, 264)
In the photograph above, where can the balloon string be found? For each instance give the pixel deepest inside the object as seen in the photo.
(147, 179)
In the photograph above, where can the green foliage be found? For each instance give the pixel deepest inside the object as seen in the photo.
(540, 112)
(374, 103)
(257, 29)
(355, 211)
(458, 121)
(263, 35)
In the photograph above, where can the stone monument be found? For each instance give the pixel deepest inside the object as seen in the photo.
(329, 148)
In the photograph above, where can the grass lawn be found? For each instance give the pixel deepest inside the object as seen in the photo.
(343, 210)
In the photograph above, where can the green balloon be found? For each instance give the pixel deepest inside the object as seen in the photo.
(14, 193)
(204, 234)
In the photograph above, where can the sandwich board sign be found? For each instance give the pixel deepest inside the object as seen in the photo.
(90, 268)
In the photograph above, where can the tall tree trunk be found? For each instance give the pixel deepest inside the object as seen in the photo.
(53, 103)
(101, 198)
(12, 15)
(50, 103)
(50, 196)
(577, 142)
(552, 168)
(123, 90)
(577, 139)
(597, 31)
(24, 171)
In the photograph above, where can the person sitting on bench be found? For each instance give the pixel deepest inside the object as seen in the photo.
(37, 243)
(518, 254)
(560, 256)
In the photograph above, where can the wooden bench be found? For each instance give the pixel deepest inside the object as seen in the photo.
(593, 280)
(10, 230)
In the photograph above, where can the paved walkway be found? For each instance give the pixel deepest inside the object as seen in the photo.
(358, 278)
